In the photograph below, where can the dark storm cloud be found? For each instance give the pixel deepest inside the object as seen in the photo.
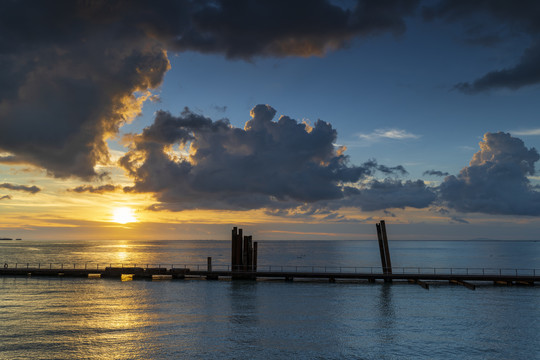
(268, 164)
(495, 182)
(248, 28)
(68, 73)
(435, 173)
(31, 189)
(95, 189)
(70, 69)
(527, 72)
(488, 23)
(392, 193)
(287, 167)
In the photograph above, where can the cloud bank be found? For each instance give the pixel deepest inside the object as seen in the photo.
(495, 182)
(392, 193)
(292, 169)
(269, 164)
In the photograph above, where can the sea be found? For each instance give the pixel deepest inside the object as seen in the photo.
(75, 318)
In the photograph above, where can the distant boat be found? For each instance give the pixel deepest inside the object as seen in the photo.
(6, 239)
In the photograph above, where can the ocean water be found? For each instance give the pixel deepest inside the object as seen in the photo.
(65, 318)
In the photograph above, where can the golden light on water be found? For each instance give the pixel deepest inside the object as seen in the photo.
(124, 215)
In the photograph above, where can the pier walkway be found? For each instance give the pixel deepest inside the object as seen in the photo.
(418, 275)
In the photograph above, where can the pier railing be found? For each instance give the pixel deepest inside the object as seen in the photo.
(289, 268)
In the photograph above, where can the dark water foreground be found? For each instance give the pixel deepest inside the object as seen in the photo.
(96, 319)
(67, 318)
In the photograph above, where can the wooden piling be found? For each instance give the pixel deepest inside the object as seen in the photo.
(381, 248)
(386, 248)
(236, 249)
(248, 251)
(239, 251)
(255, 251)
(244, 254)
(209, 264)
(234, 259)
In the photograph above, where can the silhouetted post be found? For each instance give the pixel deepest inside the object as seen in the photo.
(381, 247)
(239, 250)
(234, 245)
(255, 246)
(249, 252)
(386, 248)
(245, 254)
(209, 264)
(236, 249)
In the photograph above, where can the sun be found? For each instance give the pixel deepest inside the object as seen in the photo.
(124, 215)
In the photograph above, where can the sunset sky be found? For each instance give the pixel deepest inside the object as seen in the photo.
(305, 119)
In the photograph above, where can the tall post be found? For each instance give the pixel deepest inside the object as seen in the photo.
(209, 264)
(255, 250)
(234, 251)
(245, 254)
(386, 248)
(238, 263)
(381, 248)
(249, 252)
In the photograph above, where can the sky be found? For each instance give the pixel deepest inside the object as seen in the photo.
(304, 119)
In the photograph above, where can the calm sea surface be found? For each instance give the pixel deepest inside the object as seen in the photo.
(64, 318)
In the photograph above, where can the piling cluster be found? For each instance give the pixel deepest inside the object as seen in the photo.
(243, 252)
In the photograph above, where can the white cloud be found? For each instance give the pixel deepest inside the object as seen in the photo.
(395, 134)
(529, 132)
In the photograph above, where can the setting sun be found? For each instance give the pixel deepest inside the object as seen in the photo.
(124, 215)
